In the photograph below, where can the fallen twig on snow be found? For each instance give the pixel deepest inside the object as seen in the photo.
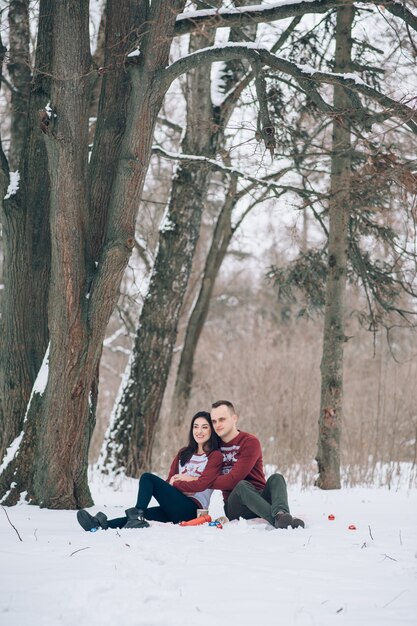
(79, 550)
(8, 518)
(397, 596)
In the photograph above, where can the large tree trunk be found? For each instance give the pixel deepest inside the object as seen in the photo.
(4, 183)
(331, 407)
(222, 235)
(20, 75)
(80, 307)
(25, 220)
(129, 439)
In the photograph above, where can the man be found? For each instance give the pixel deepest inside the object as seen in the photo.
(246, 493)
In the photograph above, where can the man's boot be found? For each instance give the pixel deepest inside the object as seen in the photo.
(297, 523)
(283, 520)
(135, 519)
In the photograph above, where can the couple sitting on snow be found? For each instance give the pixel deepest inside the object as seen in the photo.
(218, 456)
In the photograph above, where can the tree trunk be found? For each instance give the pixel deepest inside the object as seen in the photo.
(331, 407)
(4, 183)
(62, 444)
(25, 220)
(20, 74)
(129, 439)
(221, 239)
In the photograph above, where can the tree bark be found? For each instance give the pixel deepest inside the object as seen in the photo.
(25, 220)
(331, 405)
(20, 75)
(221, 239)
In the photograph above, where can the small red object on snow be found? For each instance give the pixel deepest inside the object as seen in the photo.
(331, 517)
(352, 527)
(197, 521)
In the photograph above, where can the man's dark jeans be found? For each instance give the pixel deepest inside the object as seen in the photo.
(245, 501)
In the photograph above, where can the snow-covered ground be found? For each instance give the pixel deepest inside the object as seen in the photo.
(243, 574)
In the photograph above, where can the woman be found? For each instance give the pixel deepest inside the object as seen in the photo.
(186, 489)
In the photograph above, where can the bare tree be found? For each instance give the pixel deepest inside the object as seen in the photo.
(331, 406)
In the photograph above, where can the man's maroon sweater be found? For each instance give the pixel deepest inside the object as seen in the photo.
(242, 460)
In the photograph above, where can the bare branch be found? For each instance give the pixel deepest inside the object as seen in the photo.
(240, 17)
(233, 95)
(169, 124)
(143, 253)
(8, 84)
(285, 35)
(215, 165)
(307, 77)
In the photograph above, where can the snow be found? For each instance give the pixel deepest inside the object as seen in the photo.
(42, 377)
(49, 111)
(96, 8)
(13, 185)
(10, 453)
(38, 388)
(266, 6)
(244, 574)
(309, 69)
(167, 225)
(108, 442)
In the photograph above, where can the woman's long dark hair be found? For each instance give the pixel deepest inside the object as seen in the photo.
(211, 444)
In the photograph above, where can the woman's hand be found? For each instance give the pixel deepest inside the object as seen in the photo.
(182, 478)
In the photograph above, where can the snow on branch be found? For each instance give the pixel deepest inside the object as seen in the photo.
(273, 11)
(215, 165)
(267, 181)
(308, 77)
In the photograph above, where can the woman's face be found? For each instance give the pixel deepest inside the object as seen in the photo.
(201, 431)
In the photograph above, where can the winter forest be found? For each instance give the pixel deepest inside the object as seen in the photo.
(205, 200)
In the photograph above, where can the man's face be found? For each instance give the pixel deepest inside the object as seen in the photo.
(224, 422)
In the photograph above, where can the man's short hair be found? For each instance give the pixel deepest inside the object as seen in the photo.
(224, 403)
